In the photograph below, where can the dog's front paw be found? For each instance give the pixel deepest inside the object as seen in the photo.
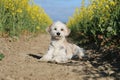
(59, 60)
(45, 59)
(42, 59)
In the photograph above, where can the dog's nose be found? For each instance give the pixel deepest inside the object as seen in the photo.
(58, 33)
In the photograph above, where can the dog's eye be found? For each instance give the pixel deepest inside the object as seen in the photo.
(62, 29)
(55, 28)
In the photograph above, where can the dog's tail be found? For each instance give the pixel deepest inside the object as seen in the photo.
(79, 52)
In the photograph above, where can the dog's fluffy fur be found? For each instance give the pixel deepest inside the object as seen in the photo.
(60, 50)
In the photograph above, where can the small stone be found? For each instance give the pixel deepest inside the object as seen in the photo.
(101, 68)
(95, 62)
(111, 72)
(93, 72)
(89, 65)
(96, 75)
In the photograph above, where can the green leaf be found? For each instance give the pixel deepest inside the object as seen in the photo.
(93, 32)
(109, 29)
(1, 56)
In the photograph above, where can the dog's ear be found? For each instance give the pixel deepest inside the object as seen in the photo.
(68, 32)
(48, 28)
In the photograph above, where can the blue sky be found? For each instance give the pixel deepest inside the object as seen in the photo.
(59, 9)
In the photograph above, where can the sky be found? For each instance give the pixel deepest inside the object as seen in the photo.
(59, 10)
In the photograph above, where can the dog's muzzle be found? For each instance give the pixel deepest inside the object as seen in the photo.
(58, 34)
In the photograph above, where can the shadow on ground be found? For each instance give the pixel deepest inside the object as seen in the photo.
(35, 56)
(96, 65)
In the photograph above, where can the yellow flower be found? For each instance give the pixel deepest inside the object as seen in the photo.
(94, 6)
(19, 10)
(107, 6)
(37, 27)
(13, 13)
(112, 3)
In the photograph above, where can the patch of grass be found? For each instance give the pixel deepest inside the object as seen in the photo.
(1, 56)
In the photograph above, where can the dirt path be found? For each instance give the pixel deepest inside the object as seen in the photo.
(21, 62)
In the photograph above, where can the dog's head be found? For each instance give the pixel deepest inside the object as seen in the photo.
(58, 30)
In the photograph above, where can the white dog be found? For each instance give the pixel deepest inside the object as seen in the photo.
(60, 50)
